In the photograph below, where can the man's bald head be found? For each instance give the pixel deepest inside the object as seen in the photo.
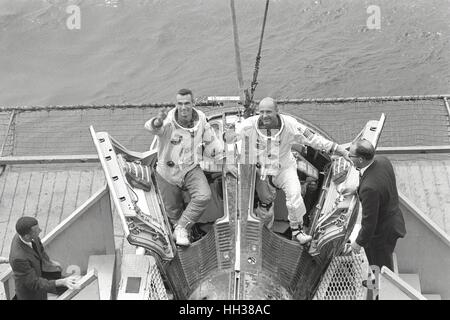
(361, 153)
(363, 148)
(268, 103)
(268, 112)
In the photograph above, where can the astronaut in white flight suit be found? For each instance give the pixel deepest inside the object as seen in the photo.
(182, 134)
(270, 138)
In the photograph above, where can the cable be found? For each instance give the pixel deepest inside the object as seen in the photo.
(258, 60)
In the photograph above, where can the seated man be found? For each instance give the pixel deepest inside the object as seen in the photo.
(271, 136)
(34, 273)
(182, 133)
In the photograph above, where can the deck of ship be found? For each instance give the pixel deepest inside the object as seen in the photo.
(51, 192)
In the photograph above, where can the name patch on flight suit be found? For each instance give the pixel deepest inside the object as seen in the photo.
(307, 133)
(182, 148)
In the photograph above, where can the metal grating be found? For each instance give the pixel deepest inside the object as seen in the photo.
(199, 259)
(408, 122)
(156, 288)
(64, 130)
(280, 256)
(224, 245)
(343, 279)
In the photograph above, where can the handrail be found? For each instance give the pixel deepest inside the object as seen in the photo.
(399, 283)
(93, 158)
(424, 218)
(171, 104)
(78, 158)
(425, 250)
(414, 149)
(363, 99)
(63, 225)
(86, 280)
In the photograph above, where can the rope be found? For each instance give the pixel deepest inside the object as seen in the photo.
(19, 109)
(237, 54)
(250, 110)
(258, 56)
(104, 107)
(82, 107)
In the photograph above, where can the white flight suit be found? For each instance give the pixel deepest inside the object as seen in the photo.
(272, 152)
(180, 151)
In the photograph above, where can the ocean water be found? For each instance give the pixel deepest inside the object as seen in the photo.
(141, 51)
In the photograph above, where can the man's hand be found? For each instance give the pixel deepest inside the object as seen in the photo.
(351, 247)
(3, 260)
(232, 169)
(343, 152)
(159, 119)
(56, 263)
(347, 248)
(355, 247)
(71, 282)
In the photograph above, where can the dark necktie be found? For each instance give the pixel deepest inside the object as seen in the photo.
(35, 248)
(359, 184)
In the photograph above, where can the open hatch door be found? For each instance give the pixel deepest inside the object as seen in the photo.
(372, 131)
(140, 209)
(338, 204)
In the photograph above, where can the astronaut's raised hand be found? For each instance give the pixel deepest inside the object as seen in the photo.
(159, 119)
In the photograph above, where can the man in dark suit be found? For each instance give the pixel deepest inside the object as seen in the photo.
(382, 221)
(35, 273)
